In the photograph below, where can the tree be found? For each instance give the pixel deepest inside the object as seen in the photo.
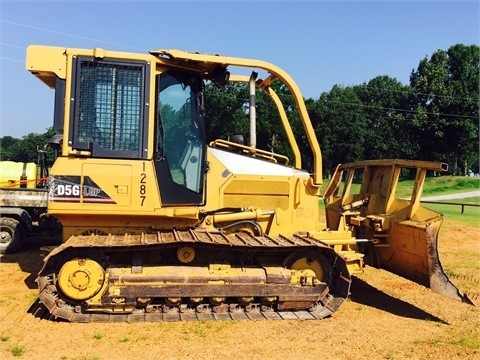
(340, 126)
(227, 114)
(224, 111)
(445, 98)
(8, 146)
(383, 102)
(27, 149)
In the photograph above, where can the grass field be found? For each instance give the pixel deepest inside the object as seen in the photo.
(470, 216)
(446, 185)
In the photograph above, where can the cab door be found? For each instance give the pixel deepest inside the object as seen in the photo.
(180, 139)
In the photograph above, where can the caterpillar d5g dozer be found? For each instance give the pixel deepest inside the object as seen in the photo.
(159, 225)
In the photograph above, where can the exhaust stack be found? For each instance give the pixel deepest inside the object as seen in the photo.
(252, 110)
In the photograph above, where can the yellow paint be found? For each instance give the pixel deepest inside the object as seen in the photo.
(80, 279)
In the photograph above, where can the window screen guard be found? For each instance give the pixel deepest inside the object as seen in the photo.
(109, 107)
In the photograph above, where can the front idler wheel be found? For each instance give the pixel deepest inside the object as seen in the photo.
(80, 278)
(310, 267)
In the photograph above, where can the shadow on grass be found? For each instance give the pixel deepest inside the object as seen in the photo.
(30, 258)
(365, 294)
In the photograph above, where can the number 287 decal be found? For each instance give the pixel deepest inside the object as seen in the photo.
(143, 186)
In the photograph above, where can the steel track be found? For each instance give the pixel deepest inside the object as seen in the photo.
(39, 310)
(53, 306)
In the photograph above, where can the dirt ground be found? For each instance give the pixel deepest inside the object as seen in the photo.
(386, 317)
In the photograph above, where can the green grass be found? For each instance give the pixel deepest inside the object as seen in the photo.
(450, 185)
(441, 185)
(467, 342)
(205, 328)
(7, 299)
(98, 335)
(17, 350)
(470, 216)
(125, 339)
(445, 185)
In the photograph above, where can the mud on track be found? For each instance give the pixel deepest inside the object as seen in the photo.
(386, 317)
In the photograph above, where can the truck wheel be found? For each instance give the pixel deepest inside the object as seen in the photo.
(11, 235)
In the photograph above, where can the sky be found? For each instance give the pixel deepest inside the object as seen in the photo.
(319, 43)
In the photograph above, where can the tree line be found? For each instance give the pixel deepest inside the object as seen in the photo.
(435, 117)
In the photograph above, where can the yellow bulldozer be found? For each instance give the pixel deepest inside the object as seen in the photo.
(166, 225)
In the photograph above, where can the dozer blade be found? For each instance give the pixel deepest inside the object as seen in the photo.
(412, 253)
(439, 281)
(396, 234)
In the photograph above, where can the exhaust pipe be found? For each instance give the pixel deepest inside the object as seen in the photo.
(252, 110)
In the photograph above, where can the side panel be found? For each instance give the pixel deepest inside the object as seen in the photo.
(242, 181)
(112, 179)
(93, 186)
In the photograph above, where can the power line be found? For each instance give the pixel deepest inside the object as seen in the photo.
(403, 110)
(411, 111)
(13, 60)
(412, 93)
(67, 34)
(13, 46)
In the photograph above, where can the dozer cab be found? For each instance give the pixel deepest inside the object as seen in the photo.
(160, 223)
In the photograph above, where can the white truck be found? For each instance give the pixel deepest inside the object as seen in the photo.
(23, 205)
